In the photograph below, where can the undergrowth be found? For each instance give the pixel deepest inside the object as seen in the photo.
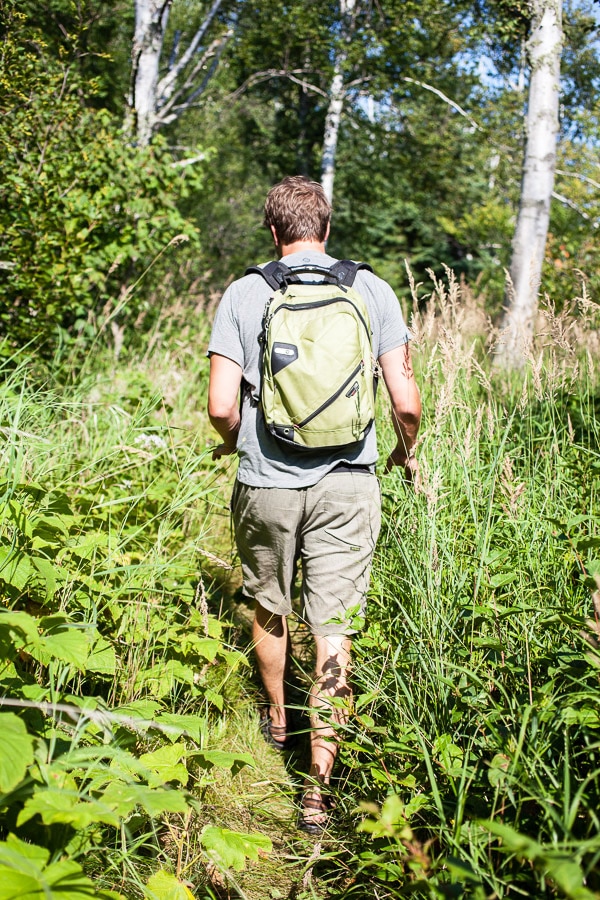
(132, 764)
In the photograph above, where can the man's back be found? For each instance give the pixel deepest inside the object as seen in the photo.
(264, 462)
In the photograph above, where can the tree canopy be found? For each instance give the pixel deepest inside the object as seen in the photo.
(429, 102)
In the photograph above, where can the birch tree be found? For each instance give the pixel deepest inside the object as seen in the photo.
(541, 128)
(155, 101)
(337, 95)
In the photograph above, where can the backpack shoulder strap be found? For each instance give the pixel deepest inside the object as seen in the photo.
(276, 274)
(345, 271)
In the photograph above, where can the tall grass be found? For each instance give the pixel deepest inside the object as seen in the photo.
(108, 649)
(479, 671)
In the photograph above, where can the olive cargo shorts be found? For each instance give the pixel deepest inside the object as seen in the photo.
(330, 528)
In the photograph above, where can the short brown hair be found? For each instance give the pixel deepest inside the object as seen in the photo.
(298, 210)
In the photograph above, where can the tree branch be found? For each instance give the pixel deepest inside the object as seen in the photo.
(565, 200)
(446, 99)
(167, 84)
(580, 177)
(164, 112)
(277, 73)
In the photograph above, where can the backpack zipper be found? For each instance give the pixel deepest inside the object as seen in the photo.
(318, 303)
(333, 397)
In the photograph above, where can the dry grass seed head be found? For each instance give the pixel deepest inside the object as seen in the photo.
(512, 492)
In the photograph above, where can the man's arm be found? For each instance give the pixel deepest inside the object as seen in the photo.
(223, 402)
(400, 381)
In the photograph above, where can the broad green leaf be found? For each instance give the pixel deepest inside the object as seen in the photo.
(207, 648)
(568, 876)
(25, 875)
(498, 768)
(165, 765)
(86, 545)
(513, 840)
(223, 760)
(48, 573)
(60, 806)
(195, 726)
(502, 578)
(461, 870)
(18, 630)
(448, 755)
(139, 709)
(15, 567)
(214, 698)
(585, 716)
(68, 644)
(488, 643)
(102, 658)
(16, 751)
(124, 798)
(231, 849)
(162, 678)
(164, 886)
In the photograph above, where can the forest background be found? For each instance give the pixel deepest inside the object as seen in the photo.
(131, 763)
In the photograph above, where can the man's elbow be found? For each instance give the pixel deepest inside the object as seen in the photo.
(220, 410)
(409, 411)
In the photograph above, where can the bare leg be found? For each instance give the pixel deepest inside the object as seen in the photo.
(333, 658)
(270, 636)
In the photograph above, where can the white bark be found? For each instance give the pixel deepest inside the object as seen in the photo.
(337, 95)
(529, 242)
(156, 102)
(168, 83)
(151, 17)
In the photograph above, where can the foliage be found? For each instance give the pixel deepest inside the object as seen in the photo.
(84, 214)
(112, 668)
(475, 745)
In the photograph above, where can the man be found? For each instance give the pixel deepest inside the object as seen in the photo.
(319, 507)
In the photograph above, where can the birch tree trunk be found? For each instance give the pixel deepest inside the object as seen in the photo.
(541, 125)
(155, 102)
(337, 96)
(151, 17)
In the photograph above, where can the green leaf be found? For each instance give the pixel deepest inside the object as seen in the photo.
(24, 873)
(48, 573)
(502, 578)
(15, 567)
(449, 756)
(162, 678)
(165, 765)
(59, 806)
(16, 751)
(195, 726)
(102, 658)
(214, 698)
(231, 849)
(67, 644)
(224, 760)
(498, 768)
(18, 630)
(513, 840)
(164, 886)
(585, 716)
(124, 798)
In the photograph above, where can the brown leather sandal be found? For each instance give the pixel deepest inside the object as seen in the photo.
(322, 806)
(267, 728)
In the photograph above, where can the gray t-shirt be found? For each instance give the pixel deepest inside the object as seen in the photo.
(263, 460)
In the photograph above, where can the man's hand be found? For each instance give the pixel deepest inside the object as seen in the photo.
(223, 450)
(407, 461)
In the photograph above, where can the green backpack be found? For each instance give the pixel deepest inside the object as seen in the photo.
(318, 371)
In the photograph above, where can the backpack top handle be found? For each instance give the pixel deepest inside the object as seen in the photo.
(278, 276)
